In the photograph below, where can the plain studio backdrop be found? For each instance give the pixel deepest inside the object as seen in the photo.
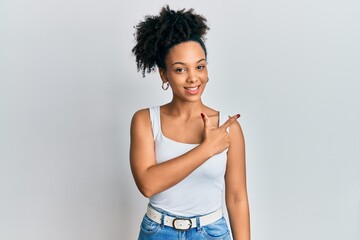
(69, 87)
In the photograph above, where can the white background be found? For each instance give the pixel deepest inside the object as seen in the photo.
(69, 87)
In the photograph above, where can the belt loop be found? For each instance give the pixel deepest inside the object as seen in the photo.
(162, 220)
(198, 227)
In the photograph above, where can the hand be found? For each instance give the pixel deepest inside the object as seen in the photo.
(217, 138)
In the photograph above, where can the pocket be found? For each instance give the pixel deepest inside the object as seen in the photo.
(148, 226)
(217, 230)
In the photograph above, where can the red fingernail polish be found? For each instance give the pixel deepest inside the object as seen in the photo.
(238, 115)
(202, 115)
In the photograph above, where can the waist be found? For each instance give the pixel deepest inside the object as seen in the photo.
(182, 223)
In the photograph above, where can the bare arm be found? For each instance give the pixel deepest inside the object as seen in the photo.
(236, 192)
(152, 178)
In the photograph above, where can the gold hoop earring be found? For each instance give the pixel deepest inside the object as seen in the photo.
(165, 85)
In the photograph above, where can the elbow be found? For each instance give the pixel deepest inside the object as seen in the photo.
(147, 185)
(146, 191)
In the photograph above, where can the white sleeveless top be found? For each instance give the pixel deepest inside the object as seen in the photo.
(199, 193)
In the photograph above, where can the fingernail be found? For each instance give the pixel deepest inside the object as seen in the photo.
(202, 115)
(238, 115)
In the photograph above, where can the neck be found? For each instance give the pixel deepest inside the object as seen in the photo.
(186, 109)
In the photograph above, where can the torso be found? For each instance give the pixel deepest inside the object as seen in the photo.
(206, 180)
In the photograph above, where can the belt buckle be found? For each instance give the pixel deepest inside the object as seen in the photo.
(182, 224)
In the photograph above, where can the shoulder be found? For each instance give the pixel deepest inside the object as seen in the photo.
(141, 119)
(142, 113)
(236, 126)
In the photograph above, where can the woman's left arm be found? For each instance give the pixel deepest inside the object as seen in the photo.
(235, 182)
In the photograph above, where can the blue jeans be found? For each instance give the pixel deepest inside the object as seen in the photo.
(151, 230)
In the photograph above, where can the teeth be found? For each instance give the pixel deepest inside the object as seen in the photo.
(193, 88)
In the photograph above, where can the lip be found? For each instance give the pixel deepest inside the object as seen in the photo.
(192, 90)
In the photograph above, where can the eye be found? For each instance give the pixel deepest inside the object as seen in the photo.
(201, 67)
(180, 70)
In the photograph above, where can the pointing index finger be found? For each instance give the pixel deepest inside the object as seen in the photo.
(230, 121)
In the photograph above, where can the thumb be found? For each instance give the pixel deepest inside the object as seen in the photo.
(206, 120)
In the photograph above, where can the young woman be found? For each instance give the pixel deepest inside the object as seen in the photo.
(184, 154)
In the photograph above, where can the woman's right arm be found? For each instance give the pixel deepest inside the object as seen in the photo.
(152, 178)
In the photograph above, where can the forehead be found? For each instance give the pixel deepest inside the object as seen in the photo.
(185, 52)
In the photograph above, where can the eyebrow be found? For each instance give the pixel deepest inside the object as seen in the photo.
(203, 59)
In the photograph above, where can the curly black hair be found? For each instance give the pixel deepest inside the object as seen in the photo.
(157, 34)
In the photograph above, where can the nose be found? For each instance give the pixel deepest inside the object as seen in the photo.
(192, 77)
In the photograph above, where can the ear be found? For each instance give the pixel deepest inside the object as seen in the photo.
(163, 76)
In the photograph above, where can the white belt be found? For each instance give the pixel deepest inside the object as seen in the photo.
(183, 223)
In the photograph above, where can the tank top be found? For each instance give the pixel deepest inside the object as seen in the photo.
(200, 192)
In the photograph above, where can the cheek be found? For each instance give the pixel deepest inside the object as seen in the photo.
(175, 79)
(204, 77)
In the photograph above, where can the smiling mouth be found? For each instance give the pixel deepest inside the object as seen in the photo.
(192, 88)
